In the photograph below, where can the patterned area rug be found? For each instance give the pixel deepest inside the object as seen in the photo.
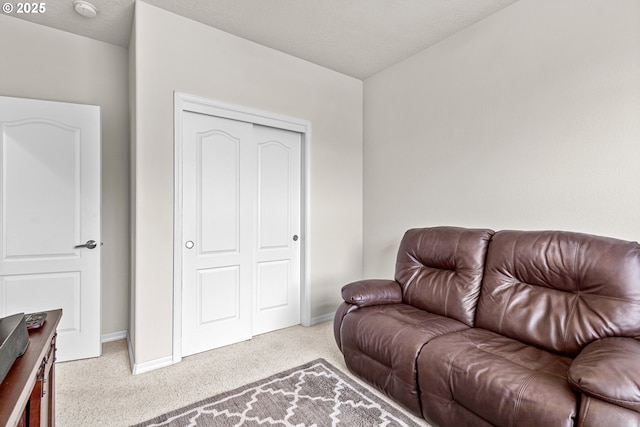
(315, 394)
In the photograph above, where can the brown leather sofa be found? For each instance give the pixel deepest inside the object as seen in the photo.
(507, 328)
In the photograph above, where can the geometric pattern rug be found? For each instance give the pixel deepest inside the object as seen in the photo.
(314, 394)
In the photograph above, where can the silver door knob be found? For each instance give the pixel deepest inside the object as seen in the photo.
(91, 244)
(189, 244)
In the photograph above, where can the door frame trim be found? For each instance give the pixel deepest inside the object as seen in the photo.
(184, 102)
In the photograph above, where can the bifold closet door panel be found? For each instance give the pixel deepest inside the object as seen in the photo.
(217, 177)
(277, 244)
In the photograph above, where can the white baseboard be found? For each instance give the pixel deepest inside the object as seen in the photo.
(140, 368)
(323, 318)
(114, 336)
(151, 365)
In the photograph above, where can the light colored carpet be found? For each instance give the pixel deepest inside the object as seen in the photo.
(103, 392)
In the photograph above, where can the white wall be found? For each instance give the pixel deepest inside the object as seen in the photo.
(529, 119)
(177, 54)
(43, 63)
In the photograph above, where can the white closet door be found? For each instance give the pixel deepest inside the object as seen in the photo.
(277, 256)
(241, 228)
(218, 177)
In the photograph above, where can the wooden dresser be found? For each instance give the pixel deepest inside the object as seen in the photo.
(27, 394)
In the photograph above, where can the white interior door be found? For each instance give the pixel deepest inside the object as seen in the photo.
(240, 260)
(50, 204)
(277, 244)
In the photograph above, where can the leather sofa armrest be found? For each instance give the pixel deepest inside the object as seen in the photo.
(609, 369)
(343, 309)
(365, 293)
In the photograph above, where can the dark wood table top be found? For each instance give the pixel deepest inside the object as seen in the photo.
(16, 388)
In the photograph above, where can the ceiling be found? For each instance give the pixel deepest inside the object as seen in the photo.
(354, 37)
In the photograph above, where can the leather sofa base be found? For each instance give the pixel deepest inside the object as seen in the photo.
(381, 344)
(598, 413)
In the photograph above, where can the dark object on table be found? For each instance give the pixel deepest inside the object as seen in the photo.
(14, 339)
(35, 320)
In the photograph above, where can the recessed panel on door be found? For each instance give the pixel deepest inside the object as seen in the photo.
(274, 195)
(218, 191)
(272, 284)
(219, 298)
(48, 171)
(46, 291)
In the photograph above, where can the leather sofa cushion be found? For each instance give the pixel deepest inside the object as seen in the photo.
(499, 380)
(440, 269)
(381, 343)
(560, 290)
(609, 369)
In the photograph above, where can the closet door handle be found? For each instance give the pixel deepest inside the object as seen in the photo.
(295, 237)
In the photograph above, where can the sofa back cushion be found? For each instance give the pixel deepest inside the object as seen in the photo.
(440, 270)
(560, 290)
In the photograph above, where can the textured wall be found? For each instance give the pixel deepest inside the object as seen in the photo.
(525, 120)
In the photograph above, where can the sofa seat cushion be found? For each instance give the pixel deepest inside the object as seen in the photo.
(381, 343)
(478, 374)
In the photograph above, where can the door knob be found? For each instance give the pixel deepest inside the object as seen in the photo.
(189, 244)
(91, 244)
(295, 237)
